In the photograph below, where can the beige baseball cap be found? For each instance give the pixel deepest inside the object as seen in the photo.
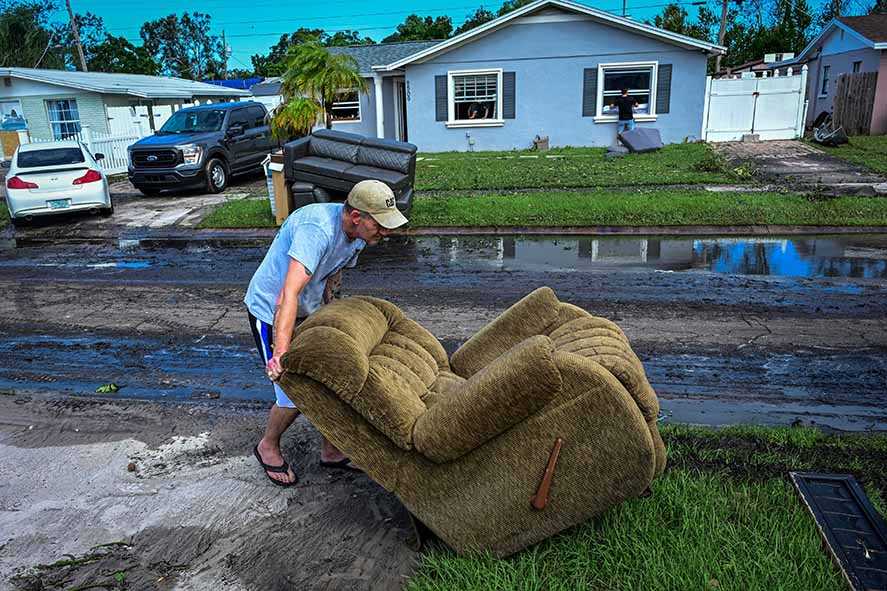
(377, 199)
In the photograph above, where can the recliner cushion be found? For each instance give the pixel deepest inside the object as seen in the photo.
(392, 178)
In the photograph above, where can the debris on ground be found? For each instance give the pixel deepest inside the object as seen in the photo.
(642, 139)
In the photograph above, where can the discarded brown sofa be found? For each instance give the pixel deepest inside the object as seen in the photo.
(464, 443)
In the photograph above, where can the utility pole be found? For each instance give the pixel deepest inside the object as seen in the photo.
(76, 37)
(224, 57)
(721, 35)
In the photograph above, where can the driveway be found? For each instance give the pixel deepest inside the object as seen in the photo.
(134, 212)
(797, 165)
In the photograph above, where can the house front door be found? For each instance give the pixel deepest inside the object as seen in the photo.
(400, 110)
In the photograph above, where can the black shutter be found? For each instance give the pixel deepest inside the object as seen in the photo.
(440, 98)
(663, 89)
(508, 95)
(589, 92)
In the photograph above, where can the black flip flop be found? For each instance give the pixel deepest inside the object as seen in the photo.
(283, 469)
(343, 464)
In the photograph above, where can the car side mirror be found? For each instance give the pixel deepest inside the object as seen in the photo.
(99, 156)
(235, 130)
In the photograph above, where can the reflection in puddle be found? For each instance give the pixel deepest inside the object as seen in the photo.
(831, 256)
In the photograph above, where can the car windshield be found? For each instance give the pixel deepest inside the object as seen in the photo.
(190, 121)
(50, 157)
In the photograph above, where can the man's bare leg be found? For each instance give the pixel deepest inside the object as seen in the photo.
(279, 420)
(329, 452)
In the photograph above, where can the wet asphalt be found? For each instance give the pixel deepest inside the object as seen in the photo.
(730, 330)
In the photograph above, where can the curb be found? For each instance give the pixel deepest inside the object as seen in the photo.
(256, 237)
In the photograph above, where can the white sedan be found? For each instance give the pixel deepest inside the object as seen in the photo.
(55, 177)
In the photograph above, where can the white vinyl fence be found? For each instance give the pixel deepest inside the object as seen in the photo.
(773, 107)
(112, 146)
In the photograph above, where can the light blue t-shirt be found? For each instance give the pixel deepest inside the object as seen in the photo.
(313, 235)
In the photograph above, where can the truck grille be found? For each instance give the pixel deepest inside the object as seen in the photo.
(156, 158)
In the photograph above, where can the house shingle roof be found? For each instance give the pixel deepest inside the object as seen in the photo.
(129, 84)
(382, 54)
(872, 27)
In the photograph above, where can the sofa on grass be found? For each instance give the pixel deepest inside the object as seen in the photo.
(465, 443)
(334, 161)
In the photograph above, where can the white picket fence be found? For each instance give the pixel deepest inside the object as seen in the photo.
(773, 107)
(112, 146)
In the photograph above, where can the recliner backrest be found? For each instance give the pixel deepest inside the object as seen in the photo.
(372, 357)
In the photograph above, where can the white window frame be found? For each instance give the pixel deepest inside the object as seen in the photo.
(359, 109)
(654, 77)
(49, 118)
(826, 73)
(499, 121)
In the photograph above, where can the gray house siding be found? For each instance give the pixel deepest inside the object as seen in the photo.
(548, 59)
(838, 51)
(90, 107)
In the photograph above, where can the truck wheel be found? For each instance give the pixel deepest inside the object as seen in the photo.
(216, 175)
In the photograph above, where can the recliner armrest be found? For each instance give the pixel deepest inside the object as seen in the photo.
(292, 151)
(515, 386)
(530, 316)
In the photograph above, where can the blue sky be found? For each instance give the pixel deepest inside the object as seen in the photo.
(253, 26)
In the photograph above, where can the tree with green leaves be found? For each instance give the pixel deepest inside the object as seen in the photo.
(416, 28)
(184, 47)
(92, 33)
(27, 39)
(314, 79)
(345, 38)
(879, 7)
(479, 17)
(512, 5)
(274, 63)
(674, 18)
(117, 54)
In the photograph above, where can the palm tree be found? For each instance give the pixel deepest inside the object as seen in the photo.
(313, 80)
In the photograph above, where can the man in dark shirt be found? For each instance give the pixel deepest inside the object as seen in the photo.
(626, 105)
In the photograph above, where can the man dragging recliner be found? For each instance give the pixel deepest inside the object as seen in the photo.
(295, 279)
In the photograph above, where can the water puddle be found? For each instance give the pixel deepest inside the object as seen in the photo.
(816, 256)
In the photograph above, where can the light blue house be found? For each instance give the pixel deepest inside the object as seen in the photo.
(552, 68)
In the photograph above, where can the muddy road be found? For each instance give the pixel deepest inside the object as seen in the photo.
(730, 331)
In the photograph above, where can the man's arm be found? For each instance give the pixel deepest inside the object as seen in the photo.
(285, 316)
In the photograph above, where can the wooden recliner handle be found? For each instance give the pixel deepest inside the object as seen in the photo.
(540, 499)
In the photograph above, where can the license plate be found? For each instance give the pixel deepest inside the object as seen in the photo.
(59, 203)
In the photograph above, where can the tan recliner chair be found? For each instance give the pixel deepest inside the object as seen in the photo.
(465, 444)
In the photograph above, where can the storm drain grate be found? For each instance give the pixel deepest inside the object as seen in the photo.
(852, 530)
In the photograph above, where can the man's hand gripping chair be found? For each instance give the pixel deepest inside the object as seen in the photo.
(540, 421)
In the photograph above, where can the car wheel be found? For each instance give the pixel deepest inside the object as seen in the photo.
(216, 175)
(148, 191)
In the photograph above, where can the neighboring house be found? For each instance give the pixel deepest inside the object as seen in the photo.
(551, 68)
(267, 92)
(759, 67)
(848, 44)
(56, 104)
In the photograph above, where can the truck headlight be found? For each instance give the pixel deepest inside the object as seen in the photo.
(191, 153)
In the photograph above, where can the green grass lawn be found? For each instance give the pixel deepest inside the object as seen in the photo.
(569, 167)
(605, 208)
(866, 150)
(4, 215)
(724, 516)
(660, 207)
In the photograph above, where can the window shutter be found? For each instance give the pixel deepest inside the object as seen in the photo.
(508, 95)
(589, 92)
(663, 88)
(440, 98)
